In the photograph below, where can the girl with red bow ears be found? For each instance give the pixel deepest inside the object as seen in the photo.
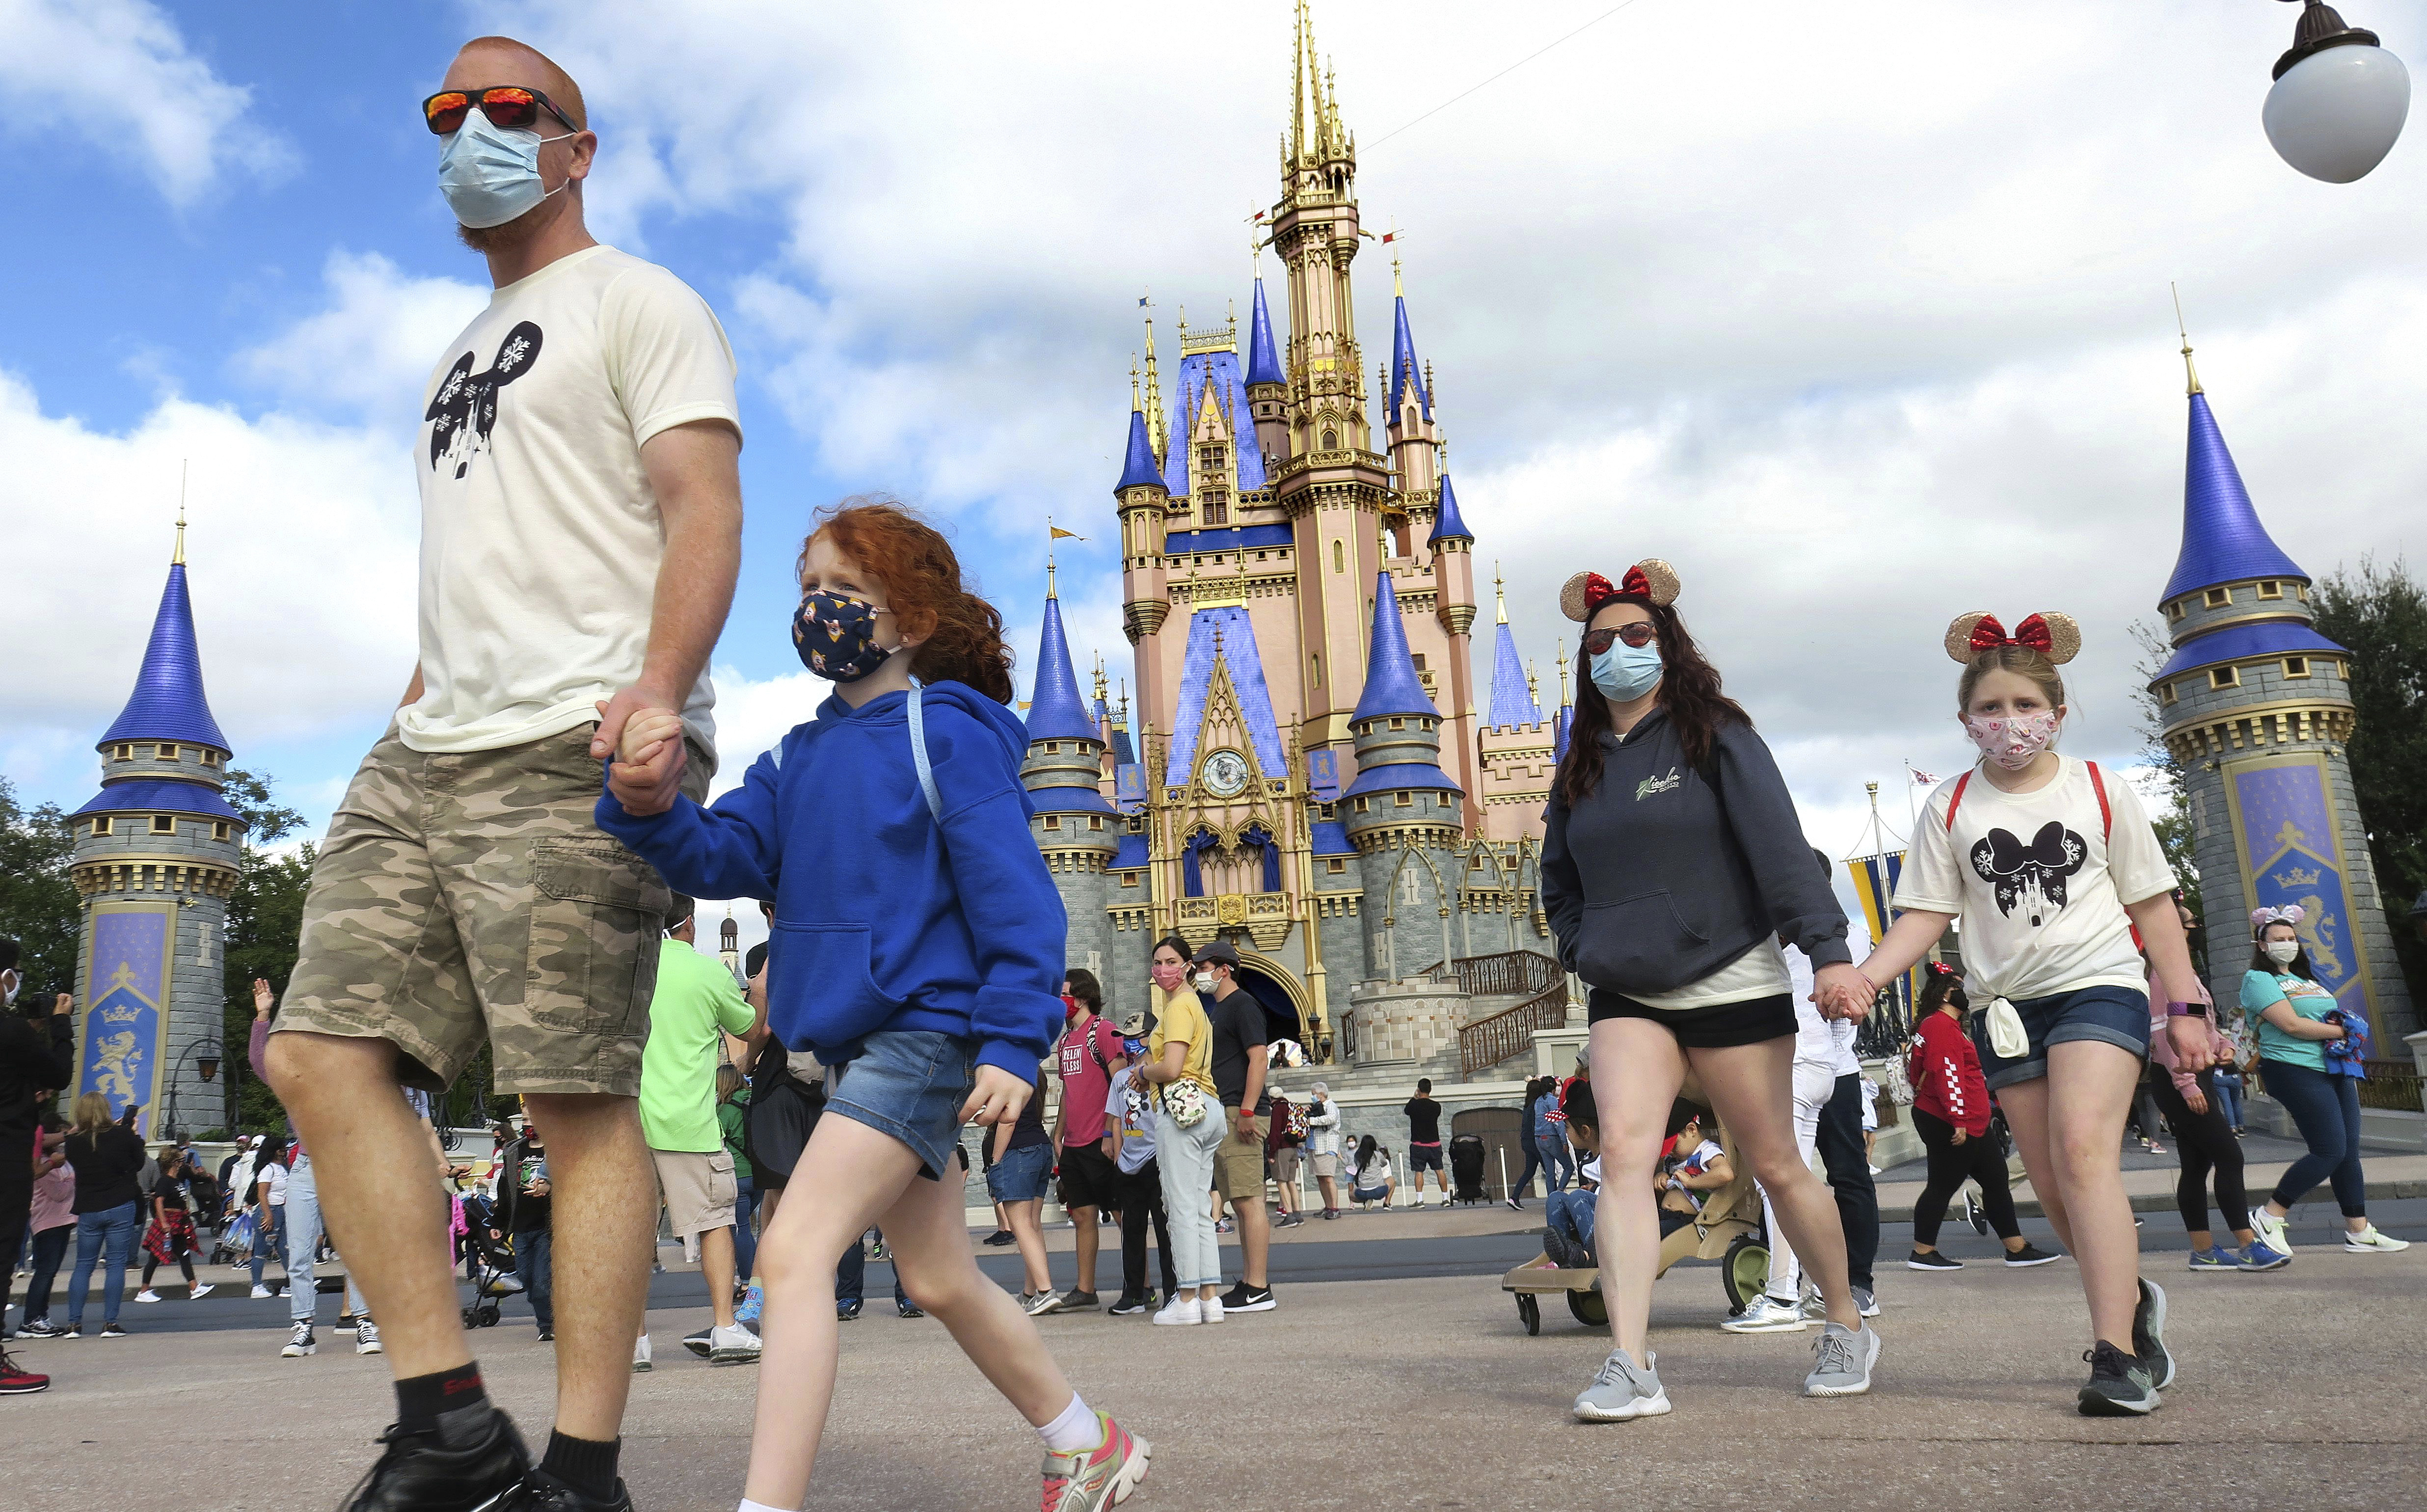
(1673, 867)
(2060, 884)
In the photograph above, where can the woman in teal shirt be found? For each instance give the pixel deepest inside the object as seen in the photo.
(2281, 992)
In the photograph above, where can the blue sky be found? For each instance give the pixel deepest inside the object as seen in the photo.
(1860, 330)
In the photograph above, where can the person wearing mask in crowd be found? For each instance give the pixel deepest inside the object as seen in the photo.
(1189, 1130)
(290, 1188)
(1021, 1172)
(2299, 1023)
(524, 1199)
(1425, 1141)
(2194, 1109)
(920, 940)
(1549, 1122)
(1089, 1046)
(169, 1236)
(107, 1158)
(37, 1057)
(235, 1174)
(1129, 1136)
(53, 1223)
(733, 1122)
(1239, 1066)
(2227, 1080)
(266, 1194)
(1370, 1178)
(1669, 808)
(2052, 866)
(1283, 1154)
(695, 998)
(1527, 1143)
(1951, 1112)
(1323, 1147)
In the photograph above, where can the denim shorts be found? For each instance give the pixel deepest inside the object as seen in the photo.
(2110, 1015)
(910, 1083)
(1020, 1174)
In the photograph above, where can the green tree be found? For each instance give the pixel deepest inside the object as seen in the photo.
(2173, 824)
(2379, 615)
(265, 922)
(37, 900)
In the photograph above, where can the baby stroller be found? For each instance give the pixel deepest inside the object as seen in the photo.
(1466, 1168)
(234, 1246)
(488, 1264)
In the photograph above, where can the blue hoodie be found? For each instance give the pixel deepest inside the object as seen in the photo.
(883, 918)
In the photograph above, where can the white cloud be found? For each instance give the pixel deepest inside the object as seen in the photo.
(118, 73)
(372, 348)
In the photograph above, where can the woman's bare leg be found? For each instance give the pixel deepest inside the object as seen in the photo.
(930, 1254)
(2089, 1090)
(1637, 1070)
(1752, 1091)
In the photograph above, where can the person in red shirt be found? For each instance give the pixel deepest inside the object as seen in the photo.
(1951, 1112)
(1090, 1048)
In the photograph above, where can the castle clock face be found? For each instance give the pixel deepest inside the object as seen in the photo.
(1225, 773)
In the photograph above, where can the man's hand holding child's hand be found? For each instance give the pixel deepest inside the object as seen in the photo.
(647, 769)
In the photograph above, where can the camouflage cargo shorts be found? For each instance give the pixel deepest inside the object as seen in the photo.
(463, 896)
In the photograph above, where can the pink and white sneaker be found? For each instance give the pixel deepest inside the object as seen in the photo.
(1089, 1480)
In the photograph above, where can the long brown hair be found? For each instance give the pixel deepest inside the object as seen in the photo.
(1689, 690)
(922, 586)
(93, 1114)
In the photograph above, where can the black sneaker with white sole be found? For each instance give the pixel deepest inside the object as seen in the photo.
(1246, 1298)
(2149, 1335)
(2027, 1255)
(471, 1461)
(1932, 1259)
(1129, 1303)
(2121, 1385)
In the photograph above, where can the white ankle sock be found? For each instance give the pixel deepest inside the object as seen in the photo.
(1075, 1429)
(749, 1505)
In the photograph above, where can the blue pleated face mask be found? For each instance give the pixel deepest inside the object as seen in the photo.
(490, 174)
(1626, 672)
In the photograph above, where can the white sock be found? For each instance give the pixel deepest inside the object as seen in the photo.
(749, 1505)
(1074, 1430)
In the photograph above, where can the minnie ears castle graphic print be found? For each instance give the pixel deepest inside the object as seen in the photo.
(2053, 636)
(1651, 580)
(465, 409)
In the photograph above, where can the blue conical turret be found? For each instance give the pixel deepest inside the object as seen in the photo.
(1404, 371)
(168, 703)
(1390, 683)
(1447, 522)
(1513, 695)
(1263, 360)
(1055, 710)
(1137, 466)
(2222, 541)
(1397, 729)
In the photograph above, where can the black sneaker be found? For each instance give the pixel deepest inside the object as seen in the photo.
(2149, 1335)
(2121, 1385)
(909, 1310)
(1075, 1300)
(2030, 1254)
(698, 1343)
(1932, 1259)
(1000, 1238)
(1556, 1249)
(1127, 1304)
(1246, 1298)
(1974, 1216)
(422, 1472)
(845, 1311)
(543, 1492)
(111, 1330)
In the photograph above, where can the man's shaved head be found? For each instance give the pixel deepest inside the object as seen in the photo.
(504, 60)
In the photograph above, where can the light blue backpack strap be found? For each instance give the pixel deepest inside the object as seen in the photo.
(919, 750)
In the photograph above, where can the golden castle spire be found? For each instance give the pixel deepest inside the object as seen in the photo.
(177, 559)
(1155, 402)
(1500, 597)
(2193, 373)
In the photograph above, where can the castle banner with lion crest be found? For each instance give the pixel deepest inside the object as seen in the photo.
(2291, 853)
(127, 969)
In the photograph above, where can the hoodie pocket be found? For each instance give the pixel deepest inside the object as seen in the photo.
(1634, 943)
(819, 989)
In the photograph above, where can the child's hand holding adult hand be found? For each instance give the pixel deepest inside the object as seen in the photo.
(647, 768)
(998, 1096)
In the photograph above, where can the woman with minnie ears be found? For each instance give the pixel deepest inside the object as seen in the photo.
(1672, 865)
(917, 948)
(2053, 869)
(2304, 1036)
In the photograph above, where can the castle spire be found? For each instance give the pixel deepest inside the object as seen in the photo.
(169, 703)
(1512, 692)
(1405, 372)
(1390, 683)
(1263, 360)
(1397, 727)
(1138, 468)
(1055, 710)
(1154, 398)
(2222, 541)
(2191, 373)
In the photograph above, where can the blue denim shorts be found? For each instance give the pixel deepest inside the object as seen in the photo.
(910, 1083)
(1020, 1174)
(2110, 1015)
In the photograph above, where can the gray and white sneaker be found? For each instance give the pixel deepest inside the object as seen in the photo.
(1765, 1314)
(1043, 1303)
(2272, 1230)
(2120, 1385)
(1841, 1361)
(1621, 1389)
(1866, 1301)
(2149, 1335)
(732, 1345)
(366, 1338)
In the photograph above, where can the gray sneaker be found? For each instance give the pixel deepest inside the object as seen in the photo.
(2149, 1335)
(1841, 1361)
(2121, 1385)
(1866, 1302)
(1621, 1391)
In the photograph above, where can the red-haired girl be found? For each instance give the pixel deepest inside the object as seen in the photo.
(917, 950)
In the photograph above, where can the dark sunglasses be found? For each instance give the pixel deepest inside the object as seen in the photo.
(505, 105)
(1637, 635)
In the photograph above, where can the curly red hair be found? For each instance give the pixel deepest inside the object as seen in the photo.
(923, 584)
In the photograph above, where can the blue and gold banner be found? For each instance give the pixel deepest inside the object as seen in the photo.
(126, 1026)
(2291, 853)
(1875, 883)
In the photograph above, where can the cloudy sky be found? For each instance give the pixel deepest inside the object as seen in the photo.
(1861, 321)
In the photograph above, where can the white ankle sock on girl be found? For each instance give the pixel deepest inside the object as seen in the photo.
(749, 1505)
(1074, 1430)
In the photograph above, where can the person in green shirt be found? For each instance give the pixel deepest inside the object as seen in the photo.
(698, 1003)
(732, 1116)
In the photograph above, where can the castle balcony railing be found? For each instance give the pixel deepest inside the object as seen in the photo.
(1503, 974)
(1494, 1038)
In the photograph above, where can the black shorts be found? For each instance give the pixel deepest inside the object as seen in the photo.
(1089, 1178)
(1424, 1157)
(1715, 1028)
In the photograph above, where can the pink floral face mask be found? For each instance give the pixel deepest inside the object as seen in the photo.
(2013, 742)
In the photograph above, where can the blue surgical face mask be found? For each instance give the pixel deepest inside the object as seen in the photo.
(1626, 672)
(490, 174)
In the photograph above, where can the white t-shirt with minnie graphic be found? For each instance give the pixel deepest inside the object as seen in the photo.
(2040, 880)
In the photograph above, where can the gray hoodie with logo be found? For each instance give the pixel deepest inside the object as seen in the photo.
(1658, 878)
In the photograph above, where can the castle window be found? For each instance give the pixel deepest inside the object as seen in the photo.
(1328, 808)
(1316, 664)
(2166, 692)
(2174, 610)
(1360, 808)
(2296, 666)
(1214, 509)
(1095, 821)
(218, 829)
(1402, 799)
(1417, 658)
(2219, 598)
(2270, 588)
(1330, 439)
(1335, 867)
(1053, 821)
(210, 757)
(101, 826)
(164, 824)
(1129, 879)
(1339, 557)
(168, 752)
(2224, 677)
(121, 751)
(1398, 725)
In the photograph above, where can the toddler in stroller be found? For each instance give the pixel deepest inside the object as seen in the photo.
(488, 1261)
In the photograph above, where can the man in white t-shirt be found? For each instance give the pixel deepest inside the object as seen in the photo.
(581, 515)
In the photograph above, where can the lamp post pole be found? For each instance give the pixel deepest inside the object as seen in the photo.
(206, 1061)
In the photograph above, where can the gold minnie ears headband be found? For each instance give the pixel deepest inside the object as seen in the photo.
(1651, 579)
(2053, 636)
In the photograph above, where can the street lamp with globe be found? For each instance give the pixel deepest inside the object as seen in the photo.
(2339, 99)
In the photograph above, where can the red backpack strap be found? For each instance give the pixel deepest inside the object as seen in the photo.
(1956, 797)
(2106, 812)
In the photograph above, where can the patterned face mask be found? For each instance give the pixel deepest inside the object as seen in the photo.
(835, 635)
(2012, 744)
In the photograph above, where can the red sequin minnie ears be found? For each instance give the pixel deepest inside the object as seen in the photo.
(1651, 580)
(2053, 636)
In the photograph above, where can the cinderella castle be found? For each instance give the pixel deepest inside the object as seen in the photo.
(1311, 776)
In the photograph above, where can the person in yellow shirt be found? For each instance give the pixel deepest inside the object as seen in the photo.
(1189, 1128)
